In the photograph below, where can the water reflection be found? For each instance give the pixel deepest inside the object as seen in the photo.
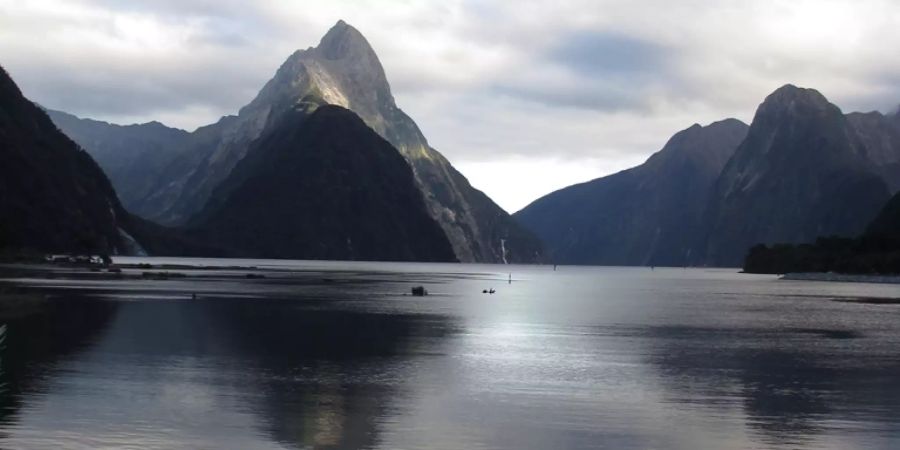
(791, 383)
(35, 343)
(329, 375)
(313, 378)
(570, 359)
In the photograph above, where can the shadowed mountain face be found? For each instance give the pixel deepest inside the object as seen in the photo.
(887, 222)
(803, 169)
(877, 251)
(880, 136)
(649, 215)
(55, 199)
(323, 185)
(802, 172)
(344, 71)
(53, 196)
(132, 156)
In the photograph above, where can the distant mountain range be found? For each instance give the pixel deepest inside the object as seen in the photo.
(342, 70)
(132, 156)
(323, 164)
(648, 215)
(803, 169)
(55, 198)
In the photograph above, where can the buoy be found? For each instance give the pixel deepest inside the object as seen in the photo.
(419, 291)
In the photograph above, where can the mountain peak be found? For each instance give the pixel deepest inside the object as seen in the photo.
(712, 144)
(790, 101)
(341, 41)
(789, 95)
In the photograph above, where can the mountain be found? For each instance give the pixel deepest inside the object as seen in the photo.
(802, 172)
(647, 215)
(342, 70)
(132, 156)
(887, 222)
(877, 251)
(53, 196)
(323, 185)
(880, 136)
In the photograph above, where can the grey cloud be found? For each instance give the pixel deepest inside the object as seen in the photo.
(584, 96)
(108, 92)
(180, 8)
(595, 70)
(604, 54)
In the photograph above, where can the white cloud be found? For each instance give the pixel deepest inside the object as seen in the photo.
(583, 86)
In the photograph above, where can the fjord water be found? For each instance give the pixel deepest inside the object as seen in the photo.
(335, 355)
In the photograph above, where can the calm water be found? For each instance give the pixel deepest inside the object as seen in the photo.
(334, 355)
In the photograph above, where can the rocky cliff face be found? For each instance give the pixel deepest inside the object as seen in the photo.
(802, 172)
(53, 196)
(132, 156)
(342, 70)
(880, 137)
(648, 215)
(322, 185)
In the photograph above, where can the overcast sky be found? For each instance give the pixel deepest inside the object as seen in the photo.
(523, 97)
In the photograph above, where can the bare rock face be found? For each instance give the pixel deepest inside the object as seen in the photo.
(647, 215)
(802, 172)
(342, 70)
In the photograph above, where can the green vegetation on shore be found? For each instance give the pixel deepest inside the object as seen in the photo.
(877, 251)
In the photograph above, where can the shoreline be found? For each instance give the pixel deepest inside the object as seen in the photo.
(841, 277)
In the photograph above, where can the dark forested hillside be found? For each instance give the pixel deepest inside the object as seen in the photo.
(877, 251)
(53, 196)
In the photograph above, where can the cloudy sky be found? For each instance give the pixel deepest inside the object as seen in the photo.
(523, 97)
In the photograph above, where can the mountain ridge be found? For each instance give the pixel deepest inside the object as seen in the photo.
(343, 70)
(132, 156)
(640, 216)
(803, 169)
(800, 173)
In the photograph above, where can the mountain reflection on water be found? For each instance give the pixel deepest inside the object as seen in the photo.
(334, 355)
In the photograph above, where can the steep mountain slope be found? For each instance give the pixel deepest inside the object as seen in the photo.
(887, 222)
(646, 215)
(802, 172)
(53, 196)
(132, 156)
(343, 70)
(877, 251)
(880, 136)
(323, 185)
